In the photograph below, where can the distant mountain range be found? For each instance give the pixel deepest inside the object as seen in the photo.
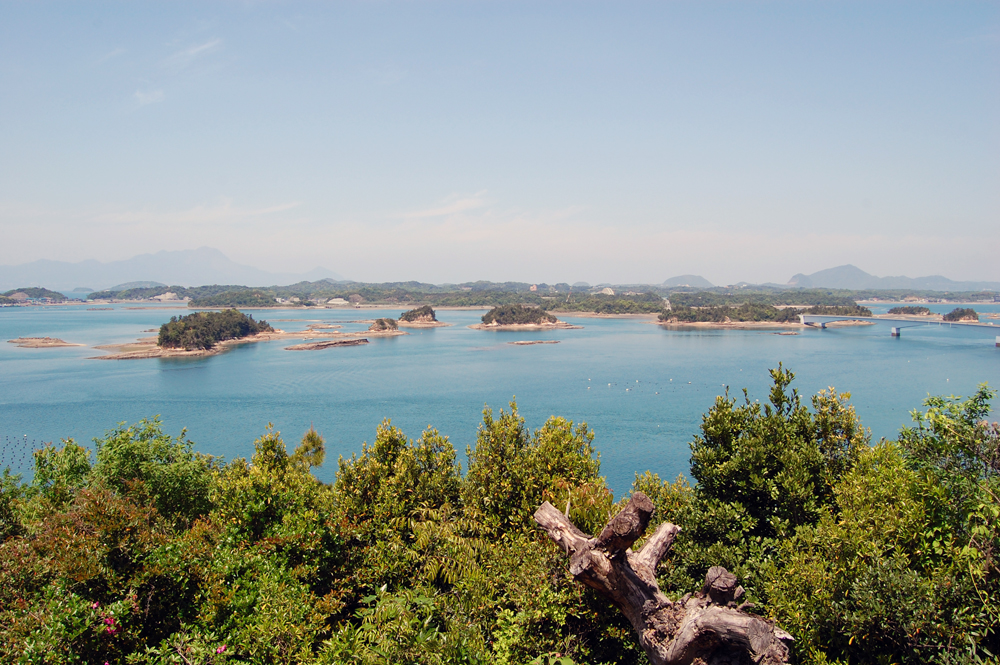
(694, 281)
(852, 277)
(193, 267)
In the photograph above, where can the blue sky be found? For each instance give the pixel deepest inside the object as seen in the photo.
(536, 141)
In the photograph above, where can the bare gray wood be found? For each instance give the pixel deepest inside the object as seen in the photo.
(705, 628)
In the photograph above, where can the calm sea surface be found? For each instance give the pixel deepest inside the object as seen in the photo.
(641, 388)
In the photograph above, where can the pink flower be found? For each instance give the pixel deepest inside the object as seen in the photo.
(220, 649)
(110, 621)
(94, 607)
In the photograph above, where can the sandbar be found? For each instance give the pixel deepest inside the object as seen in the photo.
(534, 341)
(40, 342)
(326, 344)
(558, 325)
(147, 347)
(422, 324)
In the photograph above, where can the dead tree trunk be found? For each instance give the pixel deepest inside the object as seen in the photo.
(706, 627)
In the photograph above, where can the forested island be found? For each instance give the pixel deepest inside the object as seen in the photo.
(203, 330)
(864, 552)
(755, 312)
(32, 293)
(509, 315)
(423, 314)
(910, 310)
(961, 314)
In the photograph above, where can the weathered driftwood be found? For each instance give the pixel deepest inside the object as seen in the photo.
(706, 627)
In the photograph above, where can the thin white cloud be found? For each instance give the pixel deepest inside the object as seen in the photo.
(145, 97)
(110, 55)
(224, 213)
(452, 205)
(185, 57)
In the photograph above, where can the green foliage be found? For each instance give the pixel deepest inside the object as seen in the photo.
(632, 303)
(910, 310)
(426, 312)
(506, 315)
(142, 462)
(510, 470)
(751, 311)
(155, 554)
(961, 314)
(10, 495)
(59, 472)
(384, 325)
(240, 298)
(203, 330)
(38, 293)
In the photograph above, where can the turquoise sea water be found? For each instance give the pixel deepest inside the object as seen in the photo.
(640, 387)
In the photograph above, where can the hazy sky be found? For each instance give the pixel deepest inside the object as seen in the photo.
(536, 141)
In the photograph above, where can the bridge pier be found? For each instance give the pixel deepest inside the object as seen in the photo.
(895, 332)
(998, 342)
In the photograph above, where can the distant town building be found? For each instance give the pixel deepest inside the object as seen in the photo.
(534, 287)
(607, 291)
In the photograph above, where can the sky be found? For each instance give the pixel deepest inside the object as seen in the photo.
(622, 142)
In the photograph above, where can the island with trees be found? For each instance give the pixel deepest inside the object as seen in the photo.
(795, 537)
(960, 314)
(33, 293)
(519, 317)
(421, 317)
(204, 330)
(910, 310)
(754, 313)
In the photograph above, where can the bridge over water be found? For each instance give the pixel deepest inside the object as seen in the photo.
(820, 321)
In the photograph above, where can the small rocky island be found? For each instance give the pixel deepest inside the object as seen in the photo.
(197, 334)
(40, 342)
(383, 326)
(421, 317)
(520, 317)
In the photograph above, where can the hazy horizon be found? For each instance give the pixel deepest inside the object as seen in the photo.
(539, 142)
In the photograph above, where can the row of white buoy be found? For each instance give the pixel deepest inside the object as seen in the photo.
(17, 454)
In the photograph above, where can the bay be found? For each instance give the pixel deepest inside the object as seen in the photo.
(640, 387)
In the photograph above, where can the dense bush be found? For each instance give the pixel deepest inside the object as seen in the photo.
(203, 330)
(910, 310)
(152, 553)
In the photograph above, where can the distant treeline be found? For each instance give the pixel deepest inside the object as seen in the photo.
(756, 312)
(203, 330)
(910, 310)
(555, 297)
(35, 292)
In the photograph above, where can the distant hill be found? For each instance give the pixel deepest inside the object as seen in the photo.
(852, 277)
(191, 267)
(694, 281)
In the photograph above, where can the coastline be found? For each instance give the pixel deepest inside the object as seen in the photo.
(755, 325)
(511, 327)
(146, 347)
(422, 324)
